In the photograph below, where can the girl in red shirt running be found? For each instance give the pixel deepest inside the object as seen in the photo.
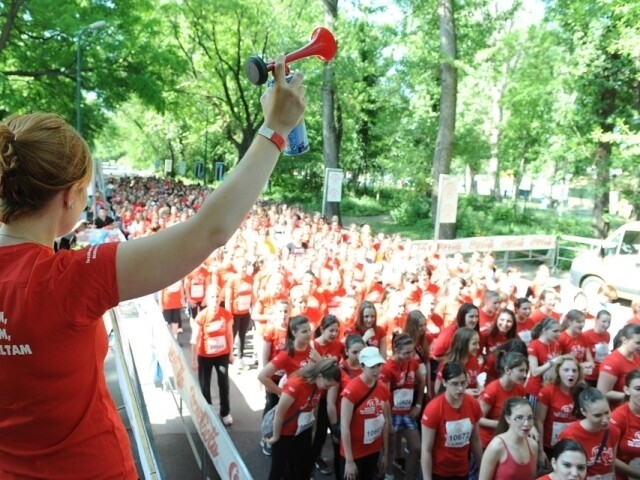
(291, 457)
(572, 341)
(542, 351)
(599, 438)
(598, 340)
(554, 408)
(512, 454)
(568, 461)
(615, 367)
(464, 350)
(365, 420)
(513, 373)
(402, 376)
(627, 418)
(349, 369)
(449, 429)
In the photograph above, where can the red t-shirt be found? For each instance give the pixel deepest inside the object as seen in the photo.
(543, 353)
(524, 330)
(453, 428)
(367, 421)
(282, 361)
(591, 443)
(485, 320)
(374, 341)
(332, 349)
(559, 412)
(240, 289)
(617, 365)
(401, 377)
(172, 298)
(57, 413)
(276, 336)
(629, 425)
(213, 340)
(599, 345)
(471, 366)
(306, 396)
(495, 395)
(442, 343)
(575, 346)
(491, 342)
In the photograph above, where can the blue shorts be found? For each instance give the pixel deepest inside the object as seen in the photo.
(403, 422)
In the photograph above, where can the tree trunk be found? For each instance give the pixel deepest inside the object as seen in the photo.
(601, 204)
(330, 134)
(448, 98)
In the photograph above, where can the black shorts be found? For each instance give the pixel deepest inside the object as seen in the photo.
(172, 315)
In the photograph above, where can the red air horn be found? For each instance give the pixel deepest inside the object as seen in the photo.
(322, 45)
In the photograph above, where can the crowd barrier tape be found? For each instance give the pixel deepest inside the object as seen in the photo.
(157, 354)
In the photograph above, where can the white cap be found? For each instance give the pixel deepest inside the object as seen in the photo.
(370, 357)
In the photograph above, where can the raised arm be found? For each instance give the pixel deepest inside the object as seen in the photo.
(148, 264)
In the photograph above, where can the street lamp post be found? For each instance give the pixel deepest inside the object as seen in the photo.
(94, 26)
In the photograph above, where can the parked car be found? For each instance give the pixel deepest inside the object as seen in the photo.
(615, 261)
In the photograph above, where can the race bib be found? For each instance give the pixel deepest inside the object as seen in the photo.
(373, 428)
(402, 398)
(243, 302)
(305, 422)
(602, 350)
(458, 433)
(197, 290)
(215, 345)
(525, 336)
(556, 429)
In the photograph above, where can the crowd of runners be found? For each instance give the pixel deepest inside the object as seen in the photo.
(410, 363)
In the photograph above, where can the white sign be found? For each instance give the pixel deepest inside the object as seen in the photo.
(168, 165)
(447, 199)
(333, 184)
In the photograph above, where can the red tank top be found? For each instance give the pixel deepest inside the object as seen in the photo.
(510, 468)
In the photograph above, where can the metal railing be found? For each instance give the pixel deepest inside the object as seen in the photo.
(568, 246)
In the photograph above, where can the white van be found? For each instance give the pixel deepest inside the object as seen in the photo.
(616, 262)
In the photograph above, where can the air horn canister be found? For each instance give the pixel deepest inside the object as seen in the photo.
(322, 45)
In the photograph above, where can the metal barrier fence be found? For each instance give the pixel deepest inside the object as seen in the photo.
(568, 246)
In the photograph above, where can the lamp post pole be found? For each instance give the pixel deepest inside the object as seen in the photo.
(93, 26)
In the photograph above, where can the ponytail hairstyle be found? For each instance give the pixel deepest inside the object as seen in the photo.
(544, 324)
(360, 319)
(459, 350)
(514, 325)
(510, 360)
(625, 332)
(401, 340)
(462, 313)
(352, 340)
(325, 323)
(327, 368)
(295, 323)
(584, 395)
(554, 375)
(452, 370)
(572, 316)
(507, 410)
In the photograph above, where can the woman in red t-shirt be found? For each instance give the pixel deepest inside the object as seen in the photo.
(524, 324)
(572, 340)
(593, 431)
(512, 453)
(464, 350)
(554, 408)
(367, 326)
(568, 460)
(291, 456)
(598, 340)
(513, 369)
(365, 420)
(541, 351)
(415, 327)
(212, 347)
(627, 418)
(349, 369)
(402, 376)
(450, 429)
(238, 300)
(547, 303)
(615, 367)
(467, 316)
(503, 329)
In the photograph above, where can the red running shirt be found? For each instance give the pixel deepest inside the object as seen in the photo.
(543, 353)
(559, 413)
(495, 395)
(306, 396)
(599, 345)
(591, 443)
(53, 361)
(629, 446)
(402, 379)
